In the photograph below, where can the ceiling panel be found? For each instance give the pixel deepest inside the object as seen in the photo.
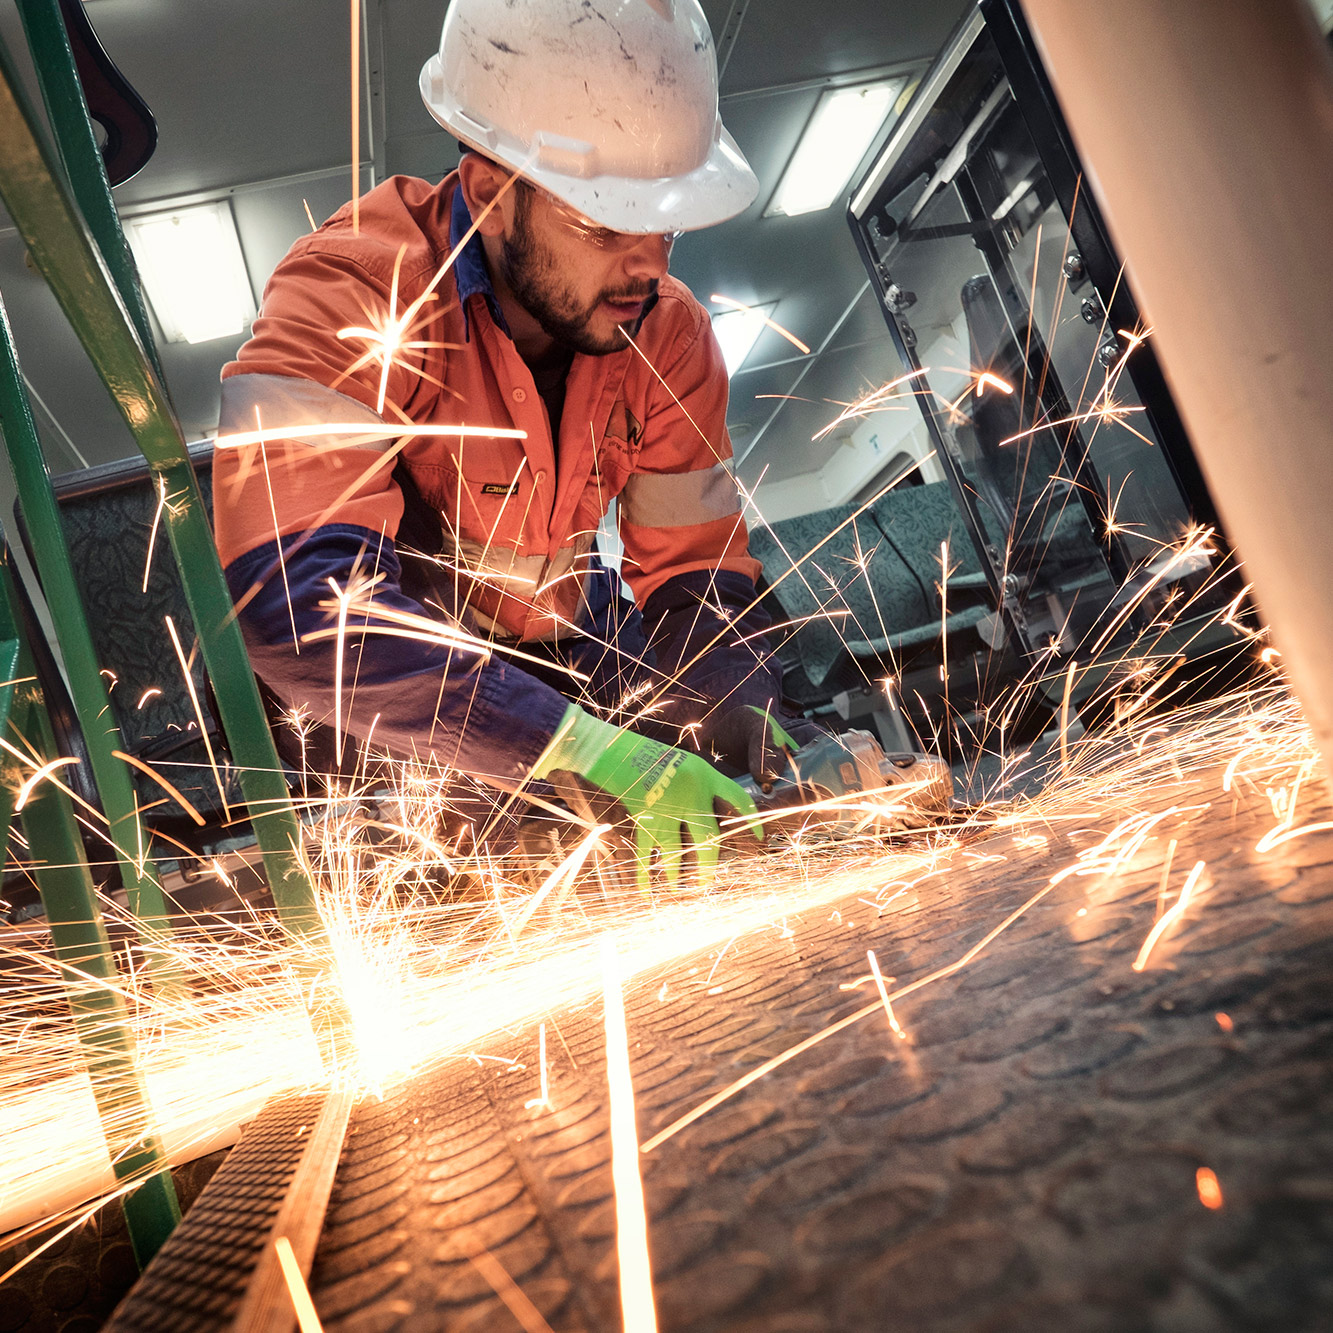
(243, 90)
(789, 41)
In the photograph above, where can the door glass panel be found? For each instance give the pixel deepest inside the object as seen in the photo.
(1028, 393)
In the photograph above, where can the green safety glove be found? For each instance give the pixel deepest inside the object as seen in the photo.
(668, 795)
(753, 739)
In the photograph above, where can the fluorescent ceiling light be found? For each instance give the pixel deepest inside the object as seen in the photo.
(193, 272)
(845, 122)
(737, 331)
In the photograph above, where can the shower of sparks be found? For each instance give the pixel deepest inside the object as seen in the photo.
(637, 1308)
(432, 971)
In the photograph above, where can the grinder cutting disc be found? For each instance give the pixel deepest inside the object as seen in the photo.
(848, 782)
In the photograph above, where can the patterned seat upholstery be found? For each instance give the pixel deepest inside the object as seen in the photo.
(865, 589)
(919, 520)
(108, 515)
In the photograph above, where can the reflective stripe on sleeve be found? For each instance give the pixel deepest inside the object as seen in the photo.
(680, 499)
(274, 402)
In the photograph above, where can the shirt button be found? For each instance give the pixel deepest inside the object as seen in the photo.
(520, 395)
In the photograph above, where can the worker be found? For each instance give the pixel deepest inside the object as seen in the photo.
(455, 381)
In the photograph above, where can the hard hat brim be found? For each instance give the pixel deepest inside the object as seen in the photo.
(723, 187)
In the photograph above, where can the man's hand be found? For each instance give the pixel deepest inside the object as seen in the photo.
(669, 796)
(753, 738)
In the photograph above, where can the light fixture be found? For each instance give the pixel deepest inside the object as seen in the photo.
(737, 331)
(193, 271)
(845, 121)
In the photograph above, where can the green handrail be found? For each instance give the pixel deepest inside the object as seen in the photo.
(82, 948)
(68, 258)
(75, 141)
(86, 685)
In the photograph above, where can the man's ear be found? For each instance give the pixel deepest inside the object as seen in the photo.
(482, 182)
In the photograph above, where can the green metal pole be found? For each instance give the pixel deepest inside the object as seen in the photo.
(87, 964)
(76, 143)
(64, 252)
(87, 688)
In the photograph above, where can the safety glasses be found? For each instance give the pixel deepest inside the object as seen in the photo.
(573, 222)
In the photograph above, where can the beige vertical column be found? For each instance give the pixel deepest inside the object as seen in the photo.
(1206, 130)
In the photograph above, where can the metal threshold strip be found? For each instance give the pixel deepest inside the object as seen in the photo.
(221, 1269)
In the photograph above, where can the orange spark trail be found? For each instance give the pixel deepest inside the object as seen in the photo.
(749, 309)
(986, 378)
(1166, 879)
(198, 713)
(509, 1292)
(1064, 715)
(1170, 918)
(163, 783)
(152, 532)
(637, 1308)
(1283, 834)
(44, 772)
(362, 432)
(277, 538)
(1210, 1189)
(302, 1305)
(894, 1026)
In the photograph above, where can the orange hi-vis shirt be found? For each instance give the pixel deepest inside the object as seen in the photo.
(645, 426)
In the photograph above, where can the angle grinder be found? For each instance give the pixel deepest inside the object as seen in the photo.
(847, 782)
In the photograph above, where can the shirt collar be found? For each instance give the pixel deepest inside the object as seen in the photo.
(471, 275)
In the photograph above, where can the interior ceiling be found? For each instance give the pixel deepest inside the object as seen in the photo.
(252, 103)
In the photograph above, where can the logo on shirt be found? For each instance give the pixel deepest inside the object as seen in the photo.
(624, 425)
(500, 488)
(633, 430)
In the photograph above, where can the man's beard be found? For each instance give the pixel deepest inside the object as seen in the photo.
(531, 272)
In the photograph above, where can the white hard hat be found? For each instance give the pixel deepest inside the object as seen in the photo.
(611, 105)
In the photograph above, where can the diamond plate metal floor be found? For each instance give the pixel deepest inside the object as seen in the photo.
(1027, 1159)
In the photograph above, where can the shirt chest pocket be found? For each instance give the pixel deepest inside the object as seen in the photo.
(488, 500)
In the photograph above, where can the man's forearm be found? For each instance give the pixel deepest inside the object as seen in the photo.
(707, 630)
(451, 700)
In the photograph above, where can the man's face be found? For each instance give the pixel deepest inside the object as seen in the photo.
(582, 283)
